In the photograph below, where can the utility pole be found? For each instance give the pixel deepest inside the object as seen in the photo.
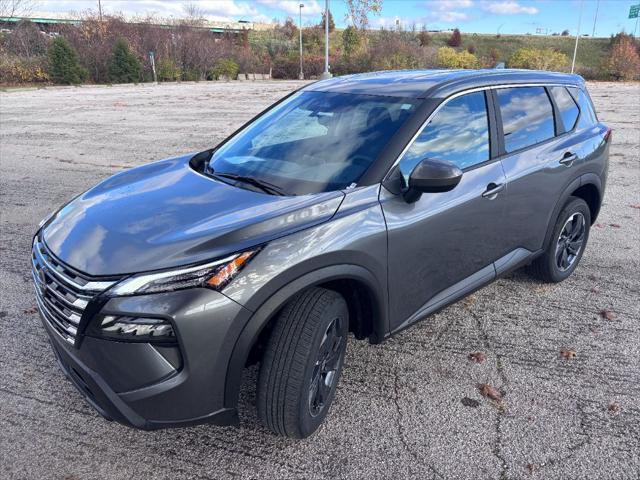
(100, 10)
(575, 49)
(326, 73)
(301, 76)
(595, 19)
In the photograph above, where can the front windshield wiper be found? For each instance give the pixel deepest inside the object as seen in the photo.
(256, 182)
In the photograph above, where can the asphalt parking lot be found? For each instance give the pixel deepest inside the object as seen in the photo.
(409, 407)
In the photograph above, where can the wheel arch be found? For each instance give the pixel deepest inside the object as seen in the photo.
(358, 285)
(589, 188)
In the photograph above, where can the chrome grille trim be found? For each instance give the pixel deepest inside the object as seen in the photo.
(62, 294)
(89, 286)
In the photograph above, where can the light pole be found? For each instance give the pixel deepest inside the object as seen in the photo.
(595, 19)
(326, 73)
(301, 76)
(575, 49)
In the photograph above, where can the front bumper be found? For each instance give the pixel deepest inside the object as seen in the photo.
(149, 387)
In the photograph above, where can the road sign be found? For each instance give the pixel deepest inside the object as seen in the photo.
(634, 11)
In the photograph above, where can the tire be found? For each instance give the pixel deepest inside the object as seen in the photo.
(311, 328)
(551, 268)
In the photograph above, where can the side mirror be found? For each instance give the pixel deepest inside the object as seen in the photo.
(431, 176)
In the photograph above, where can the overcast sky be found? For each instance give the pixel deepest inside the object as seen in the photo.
(482, 16)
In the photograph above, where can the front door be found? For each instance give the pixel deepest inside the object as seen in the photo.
(444, 238)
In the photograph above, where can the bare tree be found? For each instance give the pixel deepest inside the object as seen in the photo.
(16, 8)
(358, 11)
(195, 15)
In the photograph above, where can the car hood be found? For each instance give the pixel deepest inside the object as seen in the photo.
(165, 214)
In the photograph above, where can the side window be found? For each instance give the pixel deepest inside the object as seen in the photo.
(458, 133)
(567, 107)
(587, 115)
(527, 116)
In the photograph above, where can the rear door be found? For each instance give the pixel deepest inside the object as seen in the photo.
(537, 158)
(444, 238)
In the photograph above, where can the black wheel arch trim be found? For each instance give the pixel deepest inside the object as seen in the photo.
(259, 319)
(581, 181)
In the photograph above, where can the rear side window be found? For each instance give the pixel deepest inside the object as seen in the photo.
(587, 116)
(567, 107)
(458, 133)
(527, 116)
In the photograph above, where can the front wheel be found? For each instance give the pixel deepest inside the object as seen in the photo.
(302, 363)
(567, 244)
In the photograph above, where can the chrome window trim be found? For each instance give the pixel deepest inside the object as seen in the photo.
(459, 94)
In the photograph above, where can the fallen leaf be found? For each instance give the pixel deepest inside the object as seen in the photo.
(488, 391)
(599, 225)
(477, 357)
(595, 290)
(614, 407)
(636, 206)
(608, 314)
(469, 301)
(531, 467)
(614, 225)
(568, 354)
(30, 310)
(470, 402)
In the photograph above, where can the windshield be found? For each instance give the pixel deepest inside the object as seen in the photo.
(312, 142)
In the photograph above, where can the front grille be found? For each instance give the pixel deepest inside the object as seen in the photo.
(61, 292)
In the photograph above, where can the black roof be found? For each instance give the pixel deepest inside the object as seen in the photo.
(435, 83)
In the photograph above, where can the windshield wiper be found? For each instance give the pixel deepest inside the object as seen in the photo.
(256, 182)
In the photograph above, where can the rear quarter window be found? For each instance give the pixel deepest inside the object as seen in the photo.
(587, 116)
(527, 116)
(567, 107)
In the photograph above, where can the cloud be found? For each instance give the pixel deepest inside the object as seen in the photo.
(447, 10)
(227, 8)
(509, 7)
(291, 7)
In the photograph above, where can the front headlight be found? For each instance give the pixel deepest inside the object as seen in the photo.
(211, 275)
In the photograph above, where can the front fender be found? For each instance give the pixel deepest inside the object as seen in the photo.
(263, 314)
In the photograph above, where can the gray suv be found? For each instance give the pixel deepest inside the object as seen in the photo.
(358, 204)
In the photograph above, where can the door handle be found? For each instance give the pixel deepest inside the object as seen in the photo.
(568, 159)
(492, 190)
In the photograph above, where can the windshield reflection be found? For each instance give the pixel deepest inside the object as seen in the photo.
(314, 141)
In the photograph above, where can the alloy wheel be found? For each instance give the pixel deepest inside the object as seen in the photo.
(570, 241)
(325, 369)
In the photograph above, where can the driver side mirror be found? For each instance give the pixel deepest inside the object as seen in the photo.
(431, 176)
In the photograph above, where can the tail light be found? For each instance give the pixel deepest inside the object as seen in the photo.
(607, 135)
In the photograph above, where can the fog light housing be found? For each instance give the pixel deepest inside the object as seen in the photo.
(134, 329)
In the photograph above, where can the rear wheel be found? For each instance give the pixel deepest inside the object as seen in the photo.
(302, 363)
(568, 241)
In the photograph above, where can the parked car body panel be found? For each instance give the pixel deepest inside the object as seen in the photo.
(168, 216)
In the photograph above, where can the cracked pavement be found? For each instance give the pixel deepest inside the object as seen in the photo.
(408, 408)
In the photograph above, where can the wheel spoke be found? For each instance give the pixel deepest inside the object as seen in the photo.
(574, 247)
(325, 389)
(559, 252)
(333, 359)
